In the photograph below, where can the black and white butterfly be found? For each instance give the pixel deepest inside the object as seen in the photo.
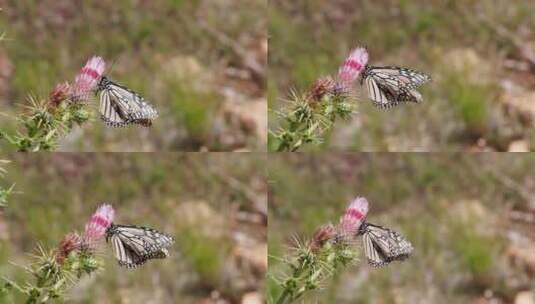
(389, 86)
(120, 106)
(383, 245)
(134, 245)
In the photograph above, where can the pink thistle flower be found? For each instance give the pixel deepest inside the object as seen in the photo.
(86, 81)
(61, 92)
(353, 217)
(95, 229)
(321, 236)
(322, 87)
(353, 66)
(70, 242)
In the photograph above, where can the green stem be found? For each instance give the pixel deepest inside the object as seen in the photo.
(287, 294)
(282, 298)
(315, 275)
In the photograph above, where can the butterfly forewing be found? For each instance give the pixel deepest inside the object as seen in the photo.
(110, 113)
(375, 258)
(375, 93)
(401, 77)
(125, 256)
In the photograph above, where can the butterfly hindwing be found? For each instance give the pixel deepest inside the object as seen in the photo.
(134, 105)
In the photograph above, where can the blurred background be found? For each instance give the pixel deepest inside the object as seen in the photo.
(480, 54)
(470, 218)
(214, 205)
(201, 63)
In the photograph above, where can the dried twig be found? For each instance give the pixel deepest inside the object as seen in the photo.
(258, 69)
(259, 201)
(509, 36)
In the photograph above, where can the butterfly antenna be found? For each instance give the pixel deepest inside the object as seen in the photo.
(112, 65)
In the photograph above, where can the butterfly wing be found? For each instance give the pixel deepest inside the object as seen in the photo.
(378, 95)
(134, 105)
(125, 256)
(383, 245)
(144, 241)
(396, 84)
(134, 245)
(398, 77)
(400, 248)
(110, 113)
(162, 254)
(410, 95)
(392, 244)
(374, 256)
(120, 106)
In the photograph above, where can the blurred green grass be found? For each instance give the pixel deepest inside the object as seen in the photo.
(49, 41)
(311, 38)
(181, 194)
(452, 207)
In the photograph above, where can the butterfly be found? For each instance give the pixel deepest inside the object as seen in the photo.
(389, 86)
(120, 106)
(134, 245)
(383, 245)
